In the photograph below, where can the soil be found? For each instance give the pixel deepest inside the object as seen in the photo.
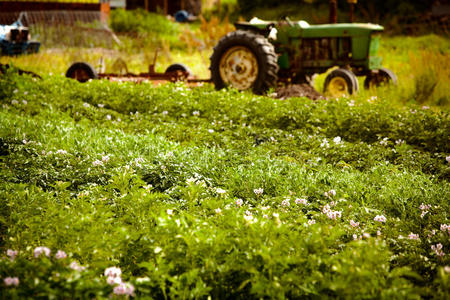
(297, 90)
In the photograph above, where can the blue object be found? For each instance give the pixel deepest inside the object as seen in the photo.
(181, 16)
(14, 45)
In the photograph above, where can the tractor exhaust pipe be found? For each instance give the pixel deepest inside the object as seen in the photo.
(333, 10)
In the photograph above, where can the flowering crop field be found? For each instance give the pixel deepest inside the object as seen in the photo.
(124, 190)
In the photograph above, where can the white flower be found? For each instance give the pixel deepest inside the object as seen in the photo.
(14, 102)
(101, 105)
(384, 141)
(332, 214)
(218, 211)
(355, 237)
(337, 140)
(41, 250)
(60, 254)
(165, 113)
(239, 202)
(380, 218)
(276, 215)
(311, 222)
(169, 211)
(378, 233)
(11, 281)
(196, 113)
(210, 130)
(301, 201)
(108, 117)
(62, 152)
(325, 143)
(75, 266)
(259, 191)
(448, 159)
(97, 163)
(250, 219)
(25, 102)
(113, 280)
(425, 206)
(366, 235)
(285, 203)
(113, 272)
(86, 104)
(105, 158)
(330, 193)
(220, 191)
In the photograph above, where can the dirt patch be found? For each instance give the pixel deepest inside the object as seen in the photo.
(297, 90)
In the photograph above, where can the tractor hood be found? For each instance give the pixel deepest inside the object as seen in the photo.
(339, 30)
(303, 29)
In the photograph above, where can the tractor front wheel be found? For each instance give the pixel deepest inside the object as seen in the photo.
(244, 60)
(341, 82)
(380, 77)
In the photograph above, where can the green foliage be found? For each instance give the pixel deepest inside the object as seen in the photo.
(147, 28)
(196, 193)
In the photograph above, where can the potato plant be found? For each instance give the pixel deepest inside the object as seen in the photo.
(123, 190)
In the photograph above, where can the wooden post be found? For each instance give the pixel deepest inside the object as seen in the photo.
(146, 5)
(166, 7)
(352, 10)
(333, 11)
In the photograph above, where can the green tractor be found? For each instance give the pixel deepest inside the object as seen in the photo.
(261, 54)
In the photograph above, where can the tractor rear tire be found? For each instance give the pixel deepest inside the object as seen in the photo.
(244, 60)
(81, 71)
(341, 82)
(380, 77)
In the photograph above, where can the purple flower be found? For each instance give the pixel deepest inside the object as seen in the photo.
(285, 203)
(12, 253)
(11, 281)
(41, 250)
(60, 254)
(124, 288)
(354, 224)
(380, 218)
(75, 266)
(413, 236)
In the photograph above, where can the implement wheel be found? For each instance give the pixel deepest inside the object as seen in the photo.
(380, 77)
(81, 71)
(341, 82)
(244, 60)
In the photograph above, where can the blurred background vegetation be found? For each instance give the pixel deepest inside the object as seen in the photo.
(415, 44)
